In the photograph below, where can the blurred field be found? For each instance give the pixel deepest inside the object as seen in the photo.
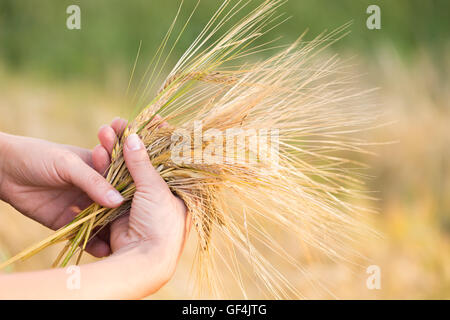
(411, 175)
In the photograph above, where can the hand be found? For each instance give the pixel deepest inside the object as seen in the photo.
(157, 218)
(51, 183)
(146, 243)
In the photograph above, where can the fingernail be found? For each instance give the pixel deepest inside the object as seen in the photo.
(133, 142)
(114, 196)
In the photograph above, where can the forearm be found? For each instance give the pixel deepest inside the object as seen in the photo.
(131, 275)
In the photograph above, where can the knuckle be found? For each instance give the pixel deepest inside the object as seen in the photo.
(67, 158)
(140, 159)
(145, 188)
(64, 162)
(148, 193)
(94, 180)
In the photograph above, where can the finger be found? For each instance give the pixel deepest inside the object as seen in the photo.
(119, 233)
(98, 248)
(142, 171)
(119, 125)
(71, 168)
(107, 137)
(104, 233)
(100, 159)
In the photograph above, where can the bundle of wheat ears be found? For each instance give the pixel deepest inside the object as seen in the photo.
(305, 114)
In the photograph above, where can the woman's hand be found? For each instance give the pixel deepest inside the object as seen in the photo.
(157, 219)
(51, 183)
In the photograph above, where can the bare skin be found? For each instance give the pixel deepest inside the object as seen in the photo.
(50, 182)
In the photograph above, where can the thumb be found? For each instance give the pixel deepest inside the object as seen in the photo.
(145, 176)
(80, 174)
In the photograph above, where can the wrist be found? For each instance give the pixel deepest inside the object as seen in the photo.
(147, 267)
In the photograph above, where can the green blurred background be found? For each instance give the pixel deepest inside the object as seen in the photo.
(33, 35)
(62, 84)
